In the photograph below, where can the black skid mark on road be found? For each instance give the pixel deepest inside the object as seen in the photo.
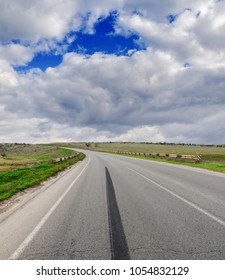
(119, 248)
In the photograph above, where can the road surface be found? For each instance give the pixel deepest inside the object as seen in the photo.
(115, 207)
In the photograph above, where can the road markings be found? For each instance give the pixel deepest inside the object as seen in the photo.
(205, 212)
(118, 243)
(31, 236)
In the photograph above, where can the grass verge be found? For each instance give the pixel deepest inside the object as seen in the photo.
(214, 166)
(31, 171)
(213, 157)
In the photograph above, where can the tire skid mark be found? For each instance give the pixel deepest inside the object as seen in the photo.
(118, 243)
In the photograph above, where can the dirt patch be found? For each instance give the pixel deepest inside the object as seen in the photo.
(11, 167)
(3, 168)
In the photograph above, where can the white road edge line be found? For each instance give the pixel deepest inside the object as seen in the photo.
(30, 237)
(205, 212)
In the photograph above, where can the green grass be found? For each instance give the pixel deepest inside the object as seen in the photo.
(219, 167)
(213, 157)
(151, 148)
(34, 152)
(37, 167)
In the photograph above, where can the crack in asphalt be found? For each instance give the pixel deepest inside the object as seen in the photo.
(176, 251)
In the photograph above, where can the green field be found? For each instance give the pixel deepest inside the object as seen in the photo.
(24, 166)
(213, 157)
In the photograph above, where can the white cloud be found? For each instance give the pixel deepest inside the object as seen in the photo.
(148, 96)
(140, 134)
(211, 27)
(15, 54)
(29, 20)
(207, 130)
(8, 78)
(26, 20)
(119, 95)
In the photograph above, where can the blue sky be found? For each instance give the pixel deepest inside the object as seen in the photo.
(117, 70)
(104, 40)
(41, 60)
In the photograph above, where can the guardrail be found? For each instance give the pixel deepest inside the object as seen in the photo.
(55, 160)
(181, 158)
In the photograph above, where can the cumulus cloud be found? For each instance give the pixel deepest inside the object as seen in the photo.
(211, 27)
(15, 54)
(173, 90)
(26, 20)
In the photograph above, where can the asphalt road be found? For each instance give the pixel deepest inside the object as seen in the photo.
(115, 207)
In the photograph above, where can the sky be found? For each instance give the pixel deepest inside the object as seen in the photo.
(116, 70)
